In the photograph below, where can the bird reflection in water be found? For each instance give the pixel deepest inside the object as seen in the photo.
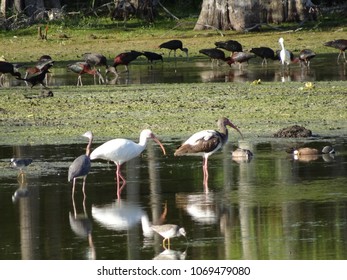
(23, 190)
(169, 254)
(81, 225)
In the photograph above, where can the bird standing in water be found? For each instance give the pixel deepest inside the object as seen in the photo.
(206, 143)
(122, 150)
(341, 45)
(80, 166)
(174, 45)
(81, 68)
(169, 231)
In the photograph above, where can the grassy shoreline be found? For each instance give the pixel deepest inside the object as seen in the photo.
(170, 110)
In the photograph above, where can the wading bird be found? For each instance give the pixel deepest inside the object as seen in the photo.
(265, 53)
(169, 231)
(284, 56)
(206, 143)
(305, 57)
(81, 68)
(230, 45)
(8, 68)
(122, 150)
(123, 59)
(215, 55)
(81, 165)
(341, 45)
(174, 45)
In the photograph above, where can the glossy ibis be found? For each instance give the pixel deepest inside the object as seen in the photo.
(305, 57)
(341, 45)
(8, 68)
(215, 54)
(174, 45)
(230, 45)
(265, 53)
(123, 59)
(240, 58)
(152, 56)
(81, 68)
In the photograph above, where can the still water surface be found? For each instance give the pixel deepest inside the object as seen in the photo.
(323, 68)
(272, 207)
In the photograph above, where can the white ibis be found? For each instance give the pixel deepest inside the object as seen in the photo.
(205, 143)
(80, 167)
(284, 54)
(122, 150)
(341, 45)
(169, 231)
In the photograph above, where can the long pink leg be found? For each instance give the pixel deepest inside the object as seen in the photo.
(205, 170)
(119, 177)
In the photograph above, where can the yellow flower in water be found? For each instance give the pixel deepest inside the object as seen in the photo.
(256, 82)
(309, 85)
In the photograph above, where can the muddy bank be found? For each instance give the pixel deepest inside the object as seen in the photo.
(174, 110)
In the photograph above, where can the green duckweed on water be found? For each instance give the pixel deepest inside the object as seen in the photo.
(170, 110)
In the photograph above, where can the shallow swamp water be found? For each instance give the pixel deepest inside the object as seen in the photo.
(272, 206)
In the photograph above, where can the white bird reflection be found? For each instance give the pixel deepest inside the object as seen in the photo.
(121, 215)
(169, 254)
(201, 207)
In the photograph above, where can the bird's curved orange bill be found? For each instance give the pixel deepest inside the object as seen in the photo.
(159, 143)
(235, 127)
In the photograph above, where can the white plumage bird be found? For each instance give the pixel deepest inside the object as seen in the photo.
(284, 54)
(122, 150)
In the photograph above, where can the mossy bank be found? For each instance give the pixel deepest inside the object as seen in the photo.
(170, 110)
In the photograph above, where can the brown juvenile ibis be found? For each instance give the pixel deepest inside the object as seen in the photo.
(174, 45)
(80, 167)
(305, 57)
(81, 68)
(122, 150)
(230, 45)
(340, 44)
(123, 59)
(215, 54)
(240, 58)
(265, 53)
(206, 143)
(152, 56)
(8, 68)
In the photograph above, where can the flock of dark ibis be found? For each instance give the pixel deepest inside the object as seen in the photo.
(38, 73)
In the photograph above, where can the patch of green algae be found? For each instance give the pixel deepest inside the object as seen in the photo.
(170, 110)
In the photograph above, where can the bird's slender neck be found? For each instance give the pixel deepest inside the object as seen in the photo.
(224, 133)
(89, 146)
